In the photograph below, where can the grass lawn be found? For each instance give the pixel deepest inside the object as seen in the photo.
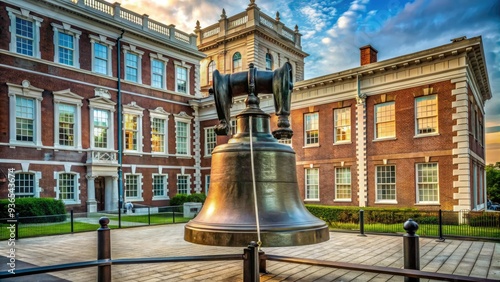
(34, 230)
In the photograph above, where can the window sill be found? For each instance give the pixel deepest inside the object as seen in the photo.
(207, 156)
(311, 146)
(385, 139)
(15, 144)
(342, 143)
(183, 156)
(426, 135)
(159, 155)
(128, 153)
(158, 198)
(68, 202)
(427, 204)
(342, 201)
(386, 202)
(134, 199)
(311, 200)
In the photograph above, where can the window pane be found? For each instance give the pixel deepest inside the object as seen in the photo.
(386, 182)
(211, 68)
(131, 67)
(428, 182)
(66, 48)
(210, 141)
(131, 131)
(237, 62)
(427, 120)
(158, 71)
(269, 62)
(159, 185)
(312, 184)
(24, 185)
(66, 185)
(101, 58)
(181, 77)
(311, 128)
(342, 124)
(25, 118)
(131, 186)
(158, 138)
(67, 124)
(182, 184)
(181, 138)
(343, 183)
(385, 120)
(24, 37)
(101, 120)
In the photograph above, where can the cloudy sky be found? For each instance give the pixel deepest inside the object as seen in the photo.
(332, 32)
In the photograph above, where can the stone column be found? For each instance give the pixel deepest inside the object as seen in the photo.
(91, 202)
(114, 194)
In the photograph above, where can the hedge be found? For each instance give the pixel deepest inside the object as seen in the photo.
(180, 199)
(42, 209)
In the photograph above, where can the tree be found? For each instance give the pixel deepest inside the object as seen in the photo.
(493, 182)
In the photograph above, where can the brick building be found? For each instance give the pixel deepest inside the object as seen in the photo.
(404, 132)
(64, 67)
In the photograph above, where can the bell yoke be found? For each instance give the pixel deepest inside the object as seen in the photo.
(229, 217)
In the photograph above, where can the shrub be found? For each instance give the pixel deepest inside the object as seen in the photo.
(180, 199)
(484, 219)
(39, 209)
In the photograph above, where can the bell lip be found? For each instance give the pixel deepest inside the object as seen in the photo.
(269, 239)
(219, 227)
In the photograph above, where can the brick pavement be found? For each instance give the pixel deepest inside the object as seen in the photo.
(471, 258)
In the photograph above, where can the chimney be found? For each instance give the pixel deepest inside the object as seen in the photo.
(368, 55)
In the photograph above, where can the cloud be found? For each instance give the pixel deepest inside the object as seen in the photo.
(492, 129)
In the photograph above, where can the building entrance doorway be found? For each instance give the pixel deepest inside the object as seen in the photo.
(100, 188)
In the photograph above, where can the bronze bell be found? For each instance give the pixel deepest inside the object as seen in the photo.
(229, 217)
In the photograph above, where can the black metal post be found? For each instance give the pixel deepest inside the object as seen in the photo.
(441, 238)
(262, 262)
(173, 214)
(361, 223)
(411, 248)
(149, 215)
(71, 216)
(104, 250)
(251, 263)
(17, 226)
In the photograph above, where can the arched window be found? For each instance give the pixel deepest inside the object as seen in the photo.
(210, 71)
(269, 62)
(237, 62)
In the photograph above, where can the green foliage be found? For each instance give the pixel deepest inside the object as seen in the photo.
(42, 209)
(180, 199)
(484, 219)
(493, 182)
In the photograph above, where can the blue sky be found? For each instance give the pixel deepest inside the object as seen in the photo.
(333, 31)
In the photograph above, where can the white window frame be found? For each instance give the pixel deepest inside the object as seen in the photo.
(210, 145)
(66, 28)
(165, 186)
(160, 113)
(307, 186)
(76, 198)
(101, 39)
(37, 175)
(380, 185)
(210, 71)
(160, 58)
(339, 182)
(27, 91)
(339, 122)
(104, 104)
(69, 98)
(434, 117)
(377, 122)
(134, 110)
(132, 50)
(270, 60)
(314, 127)
(25, 15)
(418, 183)
(139, 187)
(188, 183)
(207, 183)
(182, 117)
(187, 67)
(234, 126)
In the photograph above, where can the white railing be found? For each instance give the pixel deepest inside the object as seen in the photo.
(238, 22)
(211, 32)
(160, 28)
(101, 157)
(181, 36)
(287, 34)
(131, 16)
(101, 6)
(266, 22)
